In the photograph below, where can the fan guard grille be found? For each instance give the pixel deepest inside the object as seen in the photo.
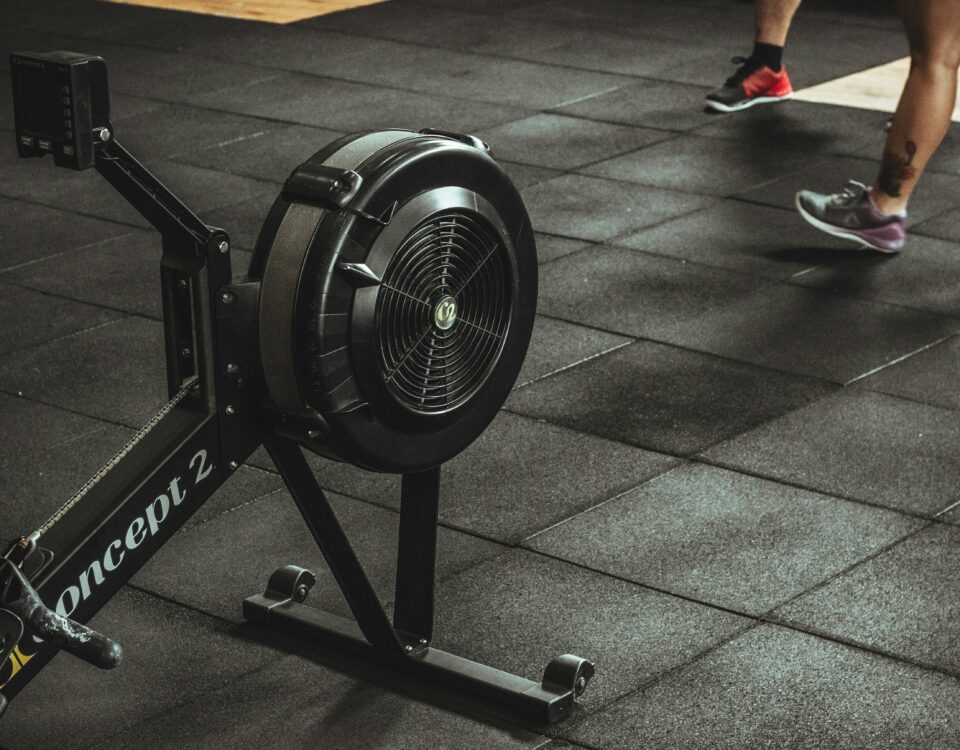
(442, 311)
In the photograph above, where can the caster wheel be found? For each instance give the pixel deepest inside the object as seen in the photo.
(290, 582)
(568, 673)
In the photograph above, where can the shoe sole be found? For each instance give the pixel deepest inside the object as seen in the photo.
(746, 103)
(839, 233)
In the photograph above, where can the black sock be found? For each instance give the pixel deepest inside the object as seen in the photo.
(768, 54)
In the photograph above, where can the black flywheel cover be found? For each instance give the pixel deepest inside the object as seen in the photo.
(398, 320)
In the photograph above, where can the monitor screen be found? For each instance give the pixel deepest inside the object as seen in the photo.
(39, 102)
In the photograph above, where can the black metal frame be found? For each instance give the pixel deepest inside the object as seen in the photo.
(212, 424)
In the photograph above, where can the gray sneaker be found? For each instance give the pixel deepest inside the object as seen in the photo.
(852, 215)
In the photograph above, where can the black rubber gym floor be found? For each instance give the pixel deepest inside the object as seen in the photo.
(729, 469)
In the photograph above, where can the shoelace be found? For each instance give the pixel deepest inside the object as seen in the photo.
(747, 66)
(852, 192)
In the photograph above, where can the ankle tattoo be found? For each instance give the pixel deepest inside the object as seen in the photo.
(896, 169)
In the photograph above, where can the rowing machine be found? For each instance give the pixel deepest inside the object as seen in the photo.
(385, 315)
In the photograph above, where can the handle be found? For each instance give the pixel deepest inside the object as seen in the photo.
(74, 638)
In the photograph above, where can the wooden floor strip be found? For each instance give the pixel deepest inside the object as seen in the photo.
(875, 88)
(271, 11)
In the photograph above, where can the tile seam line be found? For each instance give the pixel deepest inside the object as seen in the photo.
(57, 339)
(903, 397)
(771, 615)
(301, 648)
(98, 305)
(768, 617)
(62, 253)
(660, 475)
(69, 410)
(215, 685)
(768, 280)
(566, 367)
(898, 360)
(649, 682)
(718, 464)
(29, 201)
(662, 342)
(695, 457)
(513, 58)
(757, 623)
(773, 284)
(381, 505)
(791, 281)
(753, 621)
(198, 52)
(218, 110)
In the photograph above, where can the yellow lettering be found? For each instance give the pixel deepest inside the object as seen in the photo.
(17, 661)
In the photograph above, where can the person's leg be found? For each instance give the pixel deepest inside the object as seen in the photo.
(926, 104)
(875, 217)
(773, 21)
(761, 77)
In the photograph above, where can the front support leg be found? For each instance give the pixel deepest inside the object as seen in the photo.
(403, 647)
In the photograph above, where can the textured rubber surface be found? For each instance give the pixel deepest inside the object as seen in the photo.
(283, 268)
(278, 292)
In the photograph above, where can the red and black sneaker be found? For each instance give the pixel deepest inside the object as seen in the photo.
(751, 84)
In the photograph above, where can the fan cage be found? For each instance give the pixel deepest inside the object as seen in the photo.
(452, 264)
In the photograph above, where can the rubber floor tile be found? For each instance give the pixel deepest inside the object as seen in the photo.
(274, 534)
(924, 278)
(246, 485)
(945, 226)
(927, 376)
(589, 208)
(186, 77)
(115, 372)
(562, 142)
(519, 477)
(36, 485)
(121, 273)
(550, 247)
(291, 47)
(269, 151)
(739, 236)
(348, 107)
(30, 427)
(557, 345)
(312, 705)
(935, 193)
(29, 232)
(774, 687)
(802, 126)
(665, 399)
(520, 610)
(637, 294)
(723, 538)
(468, 76)
(29, 319)
(526, 175)
(628, 51)
(869, 446)
(812, 333)
(904, 601)
(177, 130)
(171, 655)
(650, 104)
(702, 165)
